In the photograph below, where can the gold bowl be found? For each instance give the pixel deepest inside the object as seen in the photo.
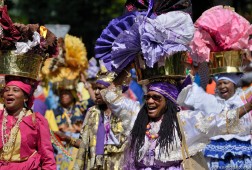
(227, 61)
(26, 65)
(173, 68)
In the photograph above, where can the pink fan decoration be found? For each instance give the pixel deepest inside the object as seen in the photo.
(220, 29)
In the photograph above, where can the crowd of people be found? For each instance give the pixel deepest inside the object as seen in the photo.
(167, 93)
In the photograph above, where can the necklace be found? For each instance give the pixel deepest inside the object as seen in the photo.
(152, 129)
(8, 140)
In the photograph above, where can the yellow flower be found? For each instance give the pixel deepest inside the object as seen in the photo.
(76, 54)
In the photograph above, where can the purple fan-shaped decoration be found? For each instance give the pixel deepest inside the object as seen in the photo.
(125, 48)
(103, 45)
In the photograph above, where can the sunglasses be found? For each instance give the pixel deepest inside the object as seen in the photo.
(154, 97)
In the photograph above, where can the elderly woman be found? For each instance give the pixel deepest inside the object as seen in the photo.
(25, 137)
(231, 150)
(156, 135)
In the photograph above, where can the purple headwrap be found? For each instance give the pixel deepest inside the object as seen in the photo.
(166, 89)
(102, 82)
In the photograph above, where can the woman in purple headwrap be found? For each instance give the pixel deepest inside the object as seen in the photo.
(155, 141)
(156, 135)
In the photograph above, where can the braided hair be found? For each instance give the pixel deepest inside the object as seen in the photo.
(168, 128)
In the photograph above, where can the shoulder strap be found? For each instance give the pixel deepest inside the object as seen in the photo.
(184, 148)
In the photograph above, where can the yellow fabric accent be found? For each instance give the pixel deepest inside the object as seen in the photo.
(49, 115)
(14, 155)
(43, 31)
(113, 154)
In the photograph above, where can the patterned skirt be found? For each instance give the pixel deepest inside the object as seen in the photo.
(229, 154)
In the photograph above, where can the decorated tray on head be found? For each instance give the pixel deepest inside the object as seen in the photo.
(23, 48)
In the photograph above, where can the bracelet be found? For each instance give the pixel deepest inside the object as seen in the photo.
(72, 141)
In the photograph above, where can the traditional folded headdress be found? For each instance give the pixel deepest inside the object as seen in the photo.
(220, 29)
(155, 36)
(65, 69)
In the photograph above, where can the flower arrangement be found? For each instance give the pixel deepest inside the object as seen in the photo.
(25, 39)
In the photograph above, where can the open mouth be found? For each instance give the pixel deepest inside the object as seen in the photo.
(9, 100)
(152, 109)
(224, 92)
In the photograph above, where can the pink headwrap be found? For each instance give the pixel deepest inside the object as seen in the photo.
(25, 87)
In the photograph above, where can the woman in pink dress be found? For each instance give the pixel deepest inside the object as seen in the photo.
(24, 135)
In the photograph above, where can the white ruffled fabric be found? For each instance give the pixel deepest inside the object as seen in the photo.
(23, 47)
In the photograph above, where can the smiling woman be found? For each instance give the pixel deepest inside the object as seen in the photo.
(22, 131)
(156, 126)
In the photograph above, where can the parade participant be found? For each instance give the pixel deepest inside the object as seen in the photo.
(63, 72)
(106, 127)
(25, 140)
(232, 150)
(25, 137)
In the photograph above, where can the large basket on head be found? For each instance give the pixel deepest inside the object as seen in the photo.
(173, 68)
(227, 61)
(26, 65)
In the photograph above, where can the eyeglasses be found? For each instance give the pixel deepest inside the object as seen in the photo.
(154, 97)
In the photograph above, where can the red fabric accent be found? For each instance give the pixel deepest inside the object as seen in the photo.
(26, 87)
(34, 136)
(10, 31)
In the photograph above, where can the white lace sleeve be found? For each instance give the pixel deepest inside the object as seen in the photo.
(199, 127)
(122, 107)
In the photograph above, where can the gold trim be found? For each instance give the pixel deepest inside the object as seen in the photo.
(174, 68)
(227, 61)
(26, 65)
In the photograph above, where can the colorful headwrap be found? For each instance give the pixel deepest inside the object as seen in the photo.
(106, 78)
(168, 90)
(27, 88)
(233, 77)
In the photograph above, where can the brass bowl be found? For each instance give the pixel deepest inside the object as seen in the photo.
(26, 65)
(174, 68)
(227, 61)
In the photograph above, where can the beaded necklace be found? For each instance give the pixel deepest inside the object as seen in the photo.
(150, 131)
(9, 140)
